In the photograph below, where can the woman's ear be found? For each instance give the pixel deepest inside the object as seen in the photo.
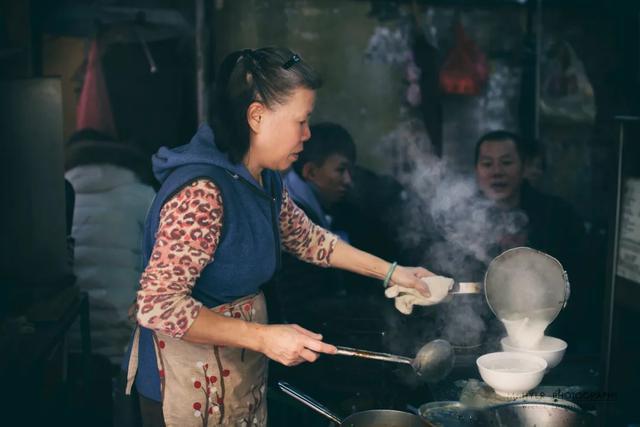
(254, 116)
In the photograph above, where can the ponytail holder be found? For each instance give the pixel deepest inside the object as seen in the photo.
(387, 278)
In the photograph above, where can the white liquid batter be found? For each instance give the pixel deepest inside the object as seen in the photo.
(527, 329)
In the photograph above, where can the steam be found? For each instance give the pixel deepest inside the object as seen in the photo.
(462, 322)
(452, 230)
(443, 213)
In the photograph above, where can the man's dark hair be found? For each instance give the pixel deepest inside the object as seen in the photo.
(503, 135)
(326, 139)
(268, 75)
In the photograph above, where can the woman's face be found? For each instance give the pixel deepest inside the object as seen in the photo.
(499, 171)
(282, 131)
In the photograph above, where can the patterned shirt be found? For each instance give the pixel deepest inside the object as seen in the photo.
(187, 237)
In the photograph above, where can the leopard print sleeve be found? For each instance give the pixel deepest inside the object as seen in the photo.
(302, 238)
(187, 237)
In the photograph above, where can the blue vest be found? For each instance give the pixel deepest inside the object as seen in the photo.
(247, 256)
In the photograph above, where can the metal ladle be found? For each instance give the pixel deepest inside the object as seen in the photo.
(433, 362)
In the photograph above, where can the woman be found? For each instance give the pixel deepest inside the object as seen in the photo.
(213, 237)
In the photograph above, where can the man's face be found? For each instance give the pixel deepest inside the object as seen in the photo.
(499, 171)
(332, 178)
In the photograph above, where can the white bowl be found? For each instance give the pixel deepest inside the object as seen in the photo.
(511, 374)
(549, 348)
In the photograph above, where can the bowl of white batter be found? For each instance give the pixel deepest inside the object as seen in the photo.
(511, 374)
(551, 349)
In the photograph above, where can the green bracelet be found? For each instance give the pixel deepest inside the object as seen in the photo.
(389, 273)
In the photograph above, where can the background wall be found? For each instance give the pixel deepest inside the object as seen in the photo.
(367, 95)
(66, 67)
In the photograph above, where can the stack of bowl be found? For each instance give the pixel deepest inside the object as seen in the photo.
(516, 371)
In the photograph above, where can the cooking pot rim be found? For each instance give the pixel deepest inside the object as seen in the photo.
(394, 412)
(571, 406)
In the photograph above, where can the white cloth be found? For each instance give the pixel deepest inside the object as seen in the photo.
(406, 298)
(108, 220)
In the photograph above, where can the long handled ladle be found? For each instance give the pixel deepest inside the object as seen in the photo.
(433, 362)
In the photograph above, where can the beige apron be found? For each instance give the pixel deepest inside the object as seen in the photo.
(212, 385)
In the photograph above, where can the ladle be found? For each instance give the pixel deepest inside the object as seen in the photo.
(433, 362)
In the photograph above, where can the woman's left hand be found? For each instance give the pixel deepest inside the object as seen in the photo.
(409, 277)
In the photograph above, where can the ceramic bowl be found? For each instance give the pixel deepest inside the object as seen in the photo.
(549, 348)
(511, 374)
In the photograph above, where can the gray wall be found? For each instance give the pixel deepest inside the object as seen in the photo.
(367, 96)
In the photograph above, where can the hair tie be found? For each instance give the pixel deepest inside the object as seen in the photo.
(292, 61)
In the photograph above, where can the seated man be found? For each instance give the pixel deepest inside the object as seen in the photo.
(320, 178)
(327, 300)
(552, 226)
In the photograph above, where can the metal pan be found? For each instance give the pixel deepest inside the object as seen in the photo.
(527, 282)
(539, 414)
(371, 418)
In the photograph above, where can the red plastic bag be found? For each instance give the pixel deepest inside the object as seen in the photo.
(93, 108)
(465, 71)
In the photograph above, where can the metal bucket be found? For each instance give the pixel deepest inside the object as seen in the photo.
(449, 414)
(537, 414)
(516, 414)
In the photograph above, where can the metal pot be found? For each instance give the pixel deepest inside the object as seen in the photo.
(537, 414)
(449, 414)
(371, 418)
(456, 414)
(526, 282)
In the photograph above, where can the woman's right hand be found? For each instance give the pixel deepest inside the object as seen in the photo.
(293, 344)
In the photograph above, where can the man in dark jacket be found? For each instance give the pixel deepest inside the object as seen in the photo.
(321, 183)
(552, 225)
(318, 182)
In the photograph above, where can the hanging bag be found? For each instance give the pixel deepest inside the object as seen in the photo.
(565, 94)
(465, 71)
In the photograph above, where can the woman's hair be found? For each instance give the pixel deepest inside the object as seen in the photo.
(326, 139)
(268, 75)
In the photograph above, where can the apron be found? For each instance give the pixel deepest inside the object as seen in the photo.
(211, 385)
